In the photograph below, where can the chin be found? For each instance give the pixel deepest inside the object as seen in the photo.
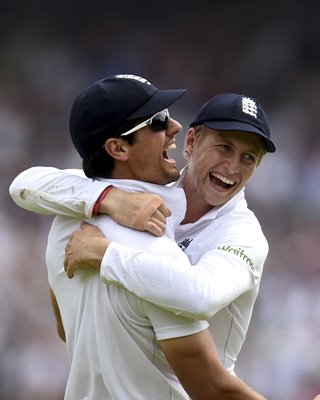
(175, 176)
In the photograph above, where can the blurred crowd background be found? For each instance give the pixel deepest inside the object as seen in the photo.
(50, 51)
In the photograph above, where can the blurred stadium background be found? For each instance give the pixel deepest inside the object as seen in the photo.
(49, 51)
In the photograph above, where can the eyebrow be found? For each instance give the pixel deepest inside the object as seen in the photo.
(256, 147)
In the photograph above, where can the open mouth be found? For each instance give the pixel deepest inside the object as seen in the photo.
(221, 181)
(165, 154)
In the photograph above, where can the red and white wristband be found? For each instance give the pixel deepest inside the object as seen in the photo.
(96, 207)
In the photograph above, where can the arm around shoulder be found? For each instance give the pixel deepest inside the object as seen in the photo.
(48, 190)
(198, 292)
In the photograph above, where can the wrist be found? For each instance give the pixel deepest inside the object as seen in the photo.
(98, 251)
(98, 208)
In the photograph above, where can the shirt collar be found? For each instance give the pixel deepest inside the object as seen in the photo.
(220, 210)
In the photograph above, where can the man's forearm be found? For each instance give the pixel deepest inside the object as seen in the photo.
(51, 191)
(47, 190)
(198, 292)
(195, 361)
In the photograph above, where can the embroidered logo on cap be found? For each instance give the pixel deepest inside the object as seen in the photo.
(249, 106)
(135, 77)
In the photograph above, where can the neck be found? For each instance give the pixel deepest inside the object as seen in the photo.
(196, 207)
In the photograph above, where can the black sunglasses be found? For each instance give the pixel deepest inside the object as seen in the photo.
(158, 122)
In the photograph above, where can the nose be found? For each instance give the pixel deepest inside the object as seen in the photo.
(232, 164)
(173, 128)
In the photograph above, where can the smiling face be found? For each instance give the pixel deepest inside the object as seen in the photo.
(147, 159)
(220, 164)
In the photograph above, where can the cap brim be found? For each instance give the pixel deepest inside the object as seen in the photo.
(240, 126)
(158, 102)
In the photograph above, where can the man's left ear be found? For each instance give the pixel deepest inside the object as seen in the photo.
(190, 140)
(117, 148)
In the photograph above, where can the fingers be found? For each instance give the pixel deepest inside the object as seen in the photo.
(155, 227)
(157, 222)
(70, 273)
(86, 226)
(154, 212)
(159, 216)
(68, 269)
(75, 250)
(83, 224)
(90, 229)
(164, 210)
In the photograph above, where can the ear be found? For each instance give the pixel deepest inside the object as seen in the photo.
(190, 140)
(117, 148)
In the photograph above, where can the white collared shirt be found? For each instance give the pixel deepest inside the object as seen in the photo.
(110, 332)
(226, 249)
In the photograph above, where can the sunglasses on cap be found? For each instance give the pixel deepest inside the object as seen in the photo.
(158, 122)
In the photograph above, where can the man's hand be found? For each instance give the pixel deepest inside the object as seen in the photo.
(140, 211)
(85, 249)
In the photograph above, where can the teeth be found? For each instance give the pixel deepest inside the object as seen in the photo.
(172, 146)
(224, 179)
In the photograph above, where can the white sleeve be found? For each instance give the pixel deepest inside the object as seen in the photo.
(198, 291)
(168, 325)
(48, 190)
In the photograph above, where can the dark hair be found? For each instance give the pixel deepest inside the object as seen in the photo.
(99, 163)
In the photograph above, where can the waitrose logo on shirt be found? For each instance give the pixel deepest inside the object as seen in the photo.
(240, 253)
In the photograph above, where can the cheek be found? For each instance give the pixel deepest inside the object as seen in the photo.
(198, 171)
(153, 146)
(149, 157)
(138, 158)
(203, 162)
(247, 173)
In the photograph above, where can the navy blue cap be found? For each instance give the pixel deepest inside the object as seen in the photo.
(99, 110)
(235, 112)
